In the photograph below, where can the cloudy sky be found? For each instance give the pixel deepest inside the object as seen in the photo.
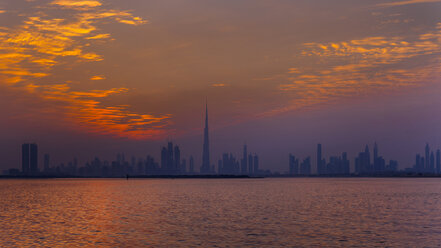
(94, 77)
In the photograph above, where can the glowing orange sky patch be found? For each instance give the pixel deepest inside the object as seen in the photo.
(354, 77)
(77, 3)
(95, 78)
(44, 42)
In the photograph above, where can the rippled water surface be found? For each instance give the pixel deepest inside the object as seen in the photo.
(220, 212)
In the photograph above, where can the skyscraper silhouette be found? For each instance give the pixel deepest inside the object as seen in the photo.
(375, 151)
(427, 158)
(244, 165)
(205, 168)
(170, 162)
(438, 161)
(363, 162)
(320, 165)
(177, 160)
(29, 158)
(305, 167)
(250, 165)
(432, 163)
(171, 159)
(191, 165)
(368, 158)
(256, 164)
(293, 165)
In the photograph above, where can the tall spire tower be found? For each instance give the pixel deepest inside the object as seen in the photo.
(205, 168)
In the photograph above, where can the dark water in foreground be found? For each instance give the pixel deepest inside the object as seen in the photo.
(221, 212)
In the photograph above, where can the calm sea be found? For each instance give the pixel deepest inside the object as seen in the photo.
(295, 212)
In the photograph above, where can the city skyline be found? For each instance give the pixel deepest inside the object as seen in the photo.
(172, 164)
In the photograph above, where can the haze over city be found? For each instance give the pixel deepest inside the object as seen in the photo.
(97, 78)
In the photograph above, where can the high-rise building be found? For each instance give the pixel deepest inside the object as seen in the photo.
(305, 167)
(427, 158)
(375, 151)
(334, 166)
(205, 168)
(228, 165)
(438, 162)
(170, 160)
(417, 167)
(151, 167)
(244, 165)
(432, 163)
(368, 158)
(377, 161)
(256, 164)
(191, 165)
(419, 164)
(29, 159)
(346, 163)
(393, 166)
(320, 165)
(338, 165)
(293, 165)
(362, 162)
(177, 160)
(250, 165)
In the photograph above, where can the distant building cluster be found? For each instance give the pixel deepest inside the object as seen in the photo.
(247, 165)
(296, 169)
(427, 164)
(363, 163)
(340, 165)
(171, 164)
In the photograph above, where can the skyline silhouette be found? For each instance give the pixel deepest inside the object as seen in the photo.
(171, 164)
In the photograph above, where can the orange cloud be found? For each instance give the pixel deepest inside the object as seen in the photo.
(400, 3)
(77, 3)
(294, 70)
(361, 67)
(218, 85)
(83, 109)
(97, 78)
(99, 36)
(30, 51)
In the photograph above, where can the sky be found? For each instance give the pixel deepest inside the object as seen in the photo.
(93, 78)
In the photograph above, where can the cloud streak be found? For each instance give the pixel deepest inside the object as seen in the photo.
(361, 67)
(77, 3)
(401, 3)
